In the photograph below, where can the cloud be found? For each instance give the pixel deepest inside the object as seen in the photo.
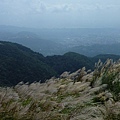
(14, 7)
(40, 6)
(58, 13)
(62, 8)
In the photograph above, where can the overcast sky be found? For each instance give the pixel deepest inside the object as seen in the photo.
(60, 13)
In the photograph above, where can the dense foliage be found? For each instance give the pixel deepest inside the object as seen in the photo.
(69, 62)
(18, 63)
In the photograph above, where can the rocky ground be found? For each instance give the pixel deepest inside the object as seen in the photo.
(82, 95)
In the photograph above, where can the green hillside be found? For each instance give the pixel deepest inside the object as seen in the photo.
(18, 63)
(69, 62)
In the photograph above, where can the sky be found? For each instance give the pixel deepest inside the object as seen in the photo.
(60, 13)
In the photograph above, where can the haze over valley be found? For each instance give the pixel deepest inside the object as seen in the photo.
(57, 41)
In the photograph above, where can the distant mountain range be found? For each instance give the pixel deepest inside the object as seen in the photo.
(19, 63)
(33, 41)
(56, 41)
(96, 49)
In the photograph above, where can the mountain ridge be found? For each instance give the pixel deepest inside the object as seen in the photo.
(19, 63)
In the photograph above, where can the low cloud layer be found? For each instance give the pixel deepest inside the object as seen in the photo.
(44, 13)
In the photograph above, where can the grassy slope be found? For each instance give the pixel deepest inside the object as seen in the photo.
(90, 98)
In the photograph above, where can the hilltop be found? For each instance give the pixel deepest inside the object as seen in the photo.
(82, 95)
